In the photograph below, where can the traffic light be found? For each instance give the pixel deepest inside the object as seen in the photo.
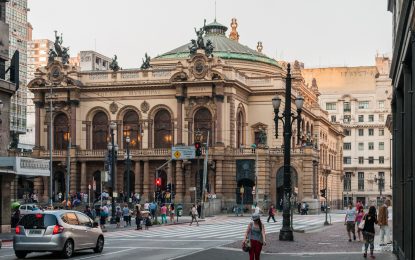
(323, 193)
(158, 182)
(198, 147)
(168, 187)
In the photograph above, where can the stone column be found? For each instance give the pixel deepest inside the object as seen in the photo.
(179, 182)
(170, 172)
(179, 129)
(188, 182)
(45, 188)
(74, 178)
(88, 134)
(146, 181)
(84, 184)
(73, 124)
(219, 178)
(189, 133)
(37, 124)
(219, 114)
(137, 177)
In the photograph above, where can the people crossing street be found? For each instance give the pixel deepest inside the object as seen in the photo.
(163, 212)
(271, 213)
(349, 221)
(194, 214)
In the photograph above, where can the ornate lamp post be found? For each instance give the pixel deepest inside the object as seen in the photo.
(128, 162)
(113, 148)
(287, 118)
(381, 183)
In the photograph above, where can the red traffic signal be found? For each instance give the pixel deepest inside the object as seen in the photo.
(158, 181)
(198, 147)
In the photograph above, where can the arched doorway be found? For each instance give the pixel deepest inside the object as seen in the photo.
(132, 182)
(163, 134)
(203, 123)
(131, 128)
(280, 185)
(100, 131)
(61, 132)
(245, 197)
(59, 183)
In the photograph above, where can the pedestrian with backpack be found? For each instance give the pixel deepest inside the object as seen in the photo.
(368, 231)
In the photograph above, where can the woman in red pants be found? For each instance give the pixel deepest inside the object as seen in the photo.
(256, 234)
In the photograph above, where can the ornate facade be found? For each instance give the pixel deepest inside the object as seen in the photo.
(227, 94)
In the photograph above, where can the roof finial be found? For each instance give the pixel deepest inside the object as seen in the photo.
(215, 10)
(259, 47)
(234, 35)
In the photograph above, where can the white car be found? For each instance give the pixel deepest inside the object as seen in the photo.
(29, 208)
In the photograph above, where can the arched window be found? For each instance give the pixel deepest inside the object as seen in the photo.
(132, 129)
(100, 131)
(61, 132)
(240, 124)
(163, 134)
(203, 123)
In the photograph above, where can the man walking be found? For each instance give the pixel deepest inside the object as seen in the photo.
(383, 223)
(271, 213)
(350, 222)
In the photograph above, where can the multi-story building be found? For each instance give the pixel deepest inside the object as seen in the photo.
(227, 95)
(16, 17)
(403, 118)
(359, 99)
(91, 60)
(7, 89)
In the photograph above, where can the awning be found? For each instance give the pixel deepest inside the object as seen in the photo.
(26, 166)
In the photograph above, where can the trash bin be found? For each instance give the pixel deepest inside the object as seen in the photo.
(179, 210)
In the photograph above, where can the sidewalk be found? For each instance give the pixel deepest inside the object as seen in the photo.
(326, 239)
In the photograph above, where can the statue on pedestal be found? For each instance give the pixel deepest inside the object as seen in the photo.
(146, 62)
(114, 64)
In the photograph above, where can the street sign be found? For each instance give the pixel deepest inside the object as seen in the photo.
(192, 188)
(183, 152)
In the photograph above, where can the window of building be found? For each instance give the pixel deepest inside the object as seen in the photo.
(361, 146)
(346, 107)
(331, 106)
(360, 118)
(361, 160)
(381, 146)
(381, 104)
(381, 160)
(363, 104)
(371, 146)
(361, 181)
(100, 131)
(371, 118)
(333, 118)
(347, 119)
(371, 131)
(361, 132)
(381, 118)
(347, 181)
(347, 146)
(371, 159)
(163, 129)
(347, 132)
(381, 132)
(347, 160)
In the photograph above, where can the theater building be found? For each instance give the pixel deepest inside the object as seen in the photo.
(186, 90)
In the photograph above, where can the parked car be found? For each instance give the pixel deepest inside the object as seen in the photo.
(63, 231)
(29, 208)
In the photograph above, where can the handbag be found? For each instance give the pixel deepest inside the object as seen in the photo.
(362, 223)
(246, 246)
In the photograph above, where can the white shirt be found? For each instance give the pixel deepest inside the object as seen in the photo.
(146, 206)
(257, 210)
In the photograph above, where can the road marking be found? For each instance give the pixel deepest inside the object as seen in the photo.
(171, 240)
(157, 247)
(3, 256)
(111, 253)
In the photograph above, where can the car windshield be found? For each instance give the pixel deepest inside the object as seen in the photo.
(33, 221)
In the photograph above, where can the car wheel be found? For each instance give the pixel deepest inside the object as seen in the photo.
(67, 251)
(20, 254)
(100, 245)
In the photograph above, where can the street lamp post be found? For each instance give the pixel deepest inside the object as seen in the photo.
(127, 162)
(286, 232)
(113, 147)
(380, 181)
(327, 171)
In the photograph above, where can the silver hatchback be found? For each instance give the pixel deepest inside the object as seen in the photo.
(63, 231)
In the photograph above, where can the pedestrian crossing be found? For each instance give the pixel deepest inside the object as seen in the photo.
(224, 228)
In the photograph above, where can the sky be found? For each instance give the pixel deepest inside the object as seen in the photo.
(319, 33)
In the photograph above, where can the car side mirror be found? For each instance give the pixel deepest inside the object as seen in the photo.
(95, 225)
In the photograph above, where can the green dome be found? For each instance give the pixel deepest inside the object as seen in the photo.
(225, 48)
